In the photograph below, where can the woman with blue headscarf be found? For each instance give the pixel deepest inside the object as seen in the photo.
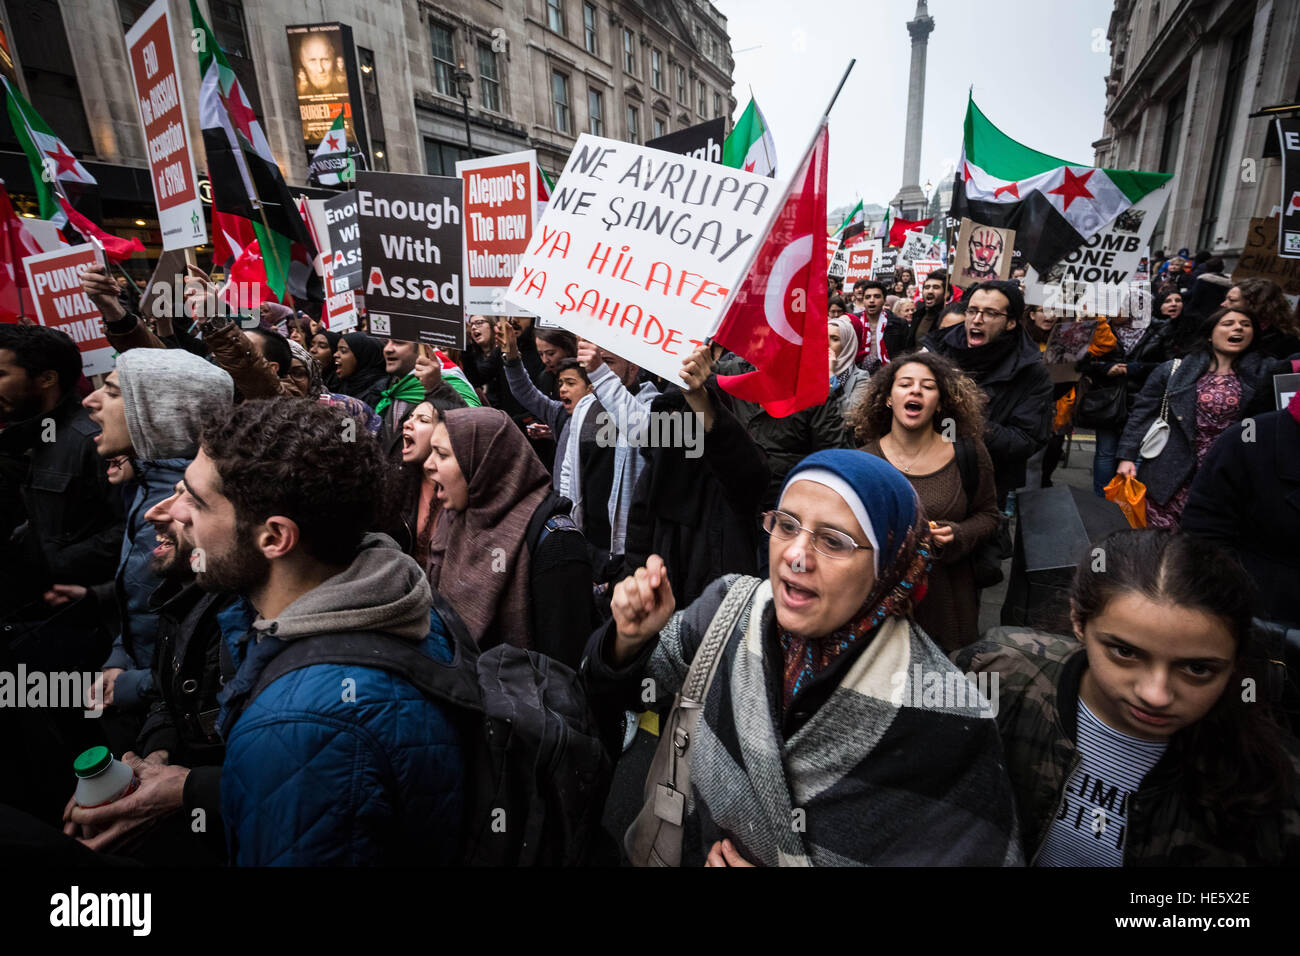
(834, 732)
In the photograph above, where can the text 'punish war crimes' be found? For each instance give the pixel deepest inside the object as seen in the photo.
(667, 186)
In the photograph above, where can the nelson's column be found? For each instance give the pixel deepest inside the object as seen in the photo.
(910, 200)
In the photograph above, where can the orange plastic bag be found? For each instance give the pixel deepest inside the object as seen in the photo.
(1131, 496)
(1064, 410)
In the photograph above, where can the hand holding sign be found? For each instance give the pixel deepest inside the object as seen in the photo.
(97, 284)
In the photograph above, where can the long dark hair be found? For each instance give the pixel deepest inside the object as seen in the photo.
(1206, 329)
(1234, 767)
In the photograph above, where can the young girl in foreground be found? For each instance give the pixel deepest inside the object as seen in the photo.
(1148, 741)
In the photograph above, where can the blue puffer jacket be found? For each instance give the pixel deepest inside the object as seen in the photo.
(339, 764)
(134, 582)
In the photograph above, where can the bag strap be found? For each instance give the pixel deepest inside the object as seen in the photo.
(968, 468)
(705, 663)
(1164, 404)
(448, 682)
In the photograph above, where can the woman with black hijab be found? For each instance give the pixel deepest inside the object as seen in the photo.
(322, 346)
(359, 360)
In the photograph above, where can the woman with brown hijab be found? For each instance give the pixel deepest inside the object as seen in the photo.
(505, 553)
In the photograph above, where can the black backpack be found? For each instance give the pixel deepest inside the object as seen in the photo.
(537, 773)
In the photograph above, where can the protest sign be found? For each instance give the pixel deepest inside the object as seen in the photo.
(861, 261)
(639, 250)
(500, 208)
(922, 268)
(886, 266)
(1288, 137)
(411, 256)
(344, 237)
(166, 132)
(1106, 274)
(55, 281)
(1260, 258)
(703, 141)
(915, 247)
(1284, 388)
(832, 247)
(983, 253)
(164, 296)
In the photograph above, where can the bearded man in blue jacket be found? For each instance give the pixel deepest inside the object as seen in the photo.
(330, 764)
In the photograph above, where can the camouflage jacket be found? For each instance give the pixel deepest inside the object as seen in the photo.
(1038, 693)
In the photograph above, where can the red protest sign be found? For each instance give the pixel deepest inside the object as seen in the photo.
(500, 205)
(55, 281)
(166, 134)
(860, 261)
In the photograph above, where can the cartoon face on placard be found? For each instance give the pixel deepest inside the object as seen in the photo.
(983, 252)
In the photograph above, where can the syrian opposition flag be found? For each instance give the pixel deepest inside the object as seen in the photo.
(59, 177)
(777, 322)
(1053, 205)
(882, 231)
(750, 146)
(854, 223)
(250, 201)
(455, 377)
(331, 156)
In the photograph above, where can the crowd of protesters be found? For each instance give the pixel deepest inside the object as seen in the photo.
(240, 486)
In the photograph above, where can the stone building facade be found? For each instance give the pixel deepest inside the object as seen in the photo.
(1185, 77)
(541, 73)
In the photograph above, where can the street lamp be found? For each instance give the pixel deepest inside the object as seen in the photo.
(463, 79)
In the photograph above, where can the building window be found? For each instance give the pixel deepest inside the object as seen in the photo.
(717, 105)
(39, 32)
(703, 99)
(560, 99)
(444, 59)
(633, 125)
(656, 69)
(440, 159)
(589, 34)
(681, 85)
(489, 80)
(555, 15)
(661, 128)
(1173, 127)
(1220, 169)
(629, 51)
(374, 113)
(595, 113)
(231, 33)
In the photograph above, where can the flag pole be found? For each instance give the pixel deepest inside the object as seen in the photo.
(753, 256)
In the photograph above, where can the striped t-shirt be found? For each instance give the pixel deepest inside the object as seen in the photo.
(1091, 823)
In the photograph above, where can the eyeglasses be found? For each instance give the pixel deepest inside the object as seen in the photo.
(827, 541)
(987, 313)
(478, 322)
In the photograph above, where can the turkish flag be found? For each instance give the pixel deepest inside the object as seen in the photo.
(16, 243)
(899, 229)
(778, 319)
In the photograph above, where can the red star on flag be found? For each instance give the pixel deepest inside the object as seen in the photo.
(240, 112)
(749, 166)
(331, 142)
(66, 162)
(1013, 188)
(965, 172)
(1073, 187)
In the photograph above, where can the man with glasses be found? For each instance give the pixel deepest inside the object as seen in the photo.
(992, 349)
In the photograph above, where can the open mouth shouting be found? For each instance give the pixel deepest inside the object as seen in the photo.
(795, 596)
(976, 337)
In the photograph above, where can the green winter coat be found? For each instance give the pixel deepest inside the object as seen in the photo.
(1038, 691)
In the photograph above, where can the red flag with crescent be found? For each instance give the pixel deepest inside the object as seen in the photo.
(777, 321)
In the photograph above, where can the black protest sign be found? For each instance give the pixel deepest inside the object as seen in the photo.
(1288, 237)
(888, 266)
(411, 252)
(701, 142)
(345, 241)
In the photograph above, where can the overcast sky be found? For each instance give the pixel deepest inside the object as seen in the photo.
(1033, 66)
